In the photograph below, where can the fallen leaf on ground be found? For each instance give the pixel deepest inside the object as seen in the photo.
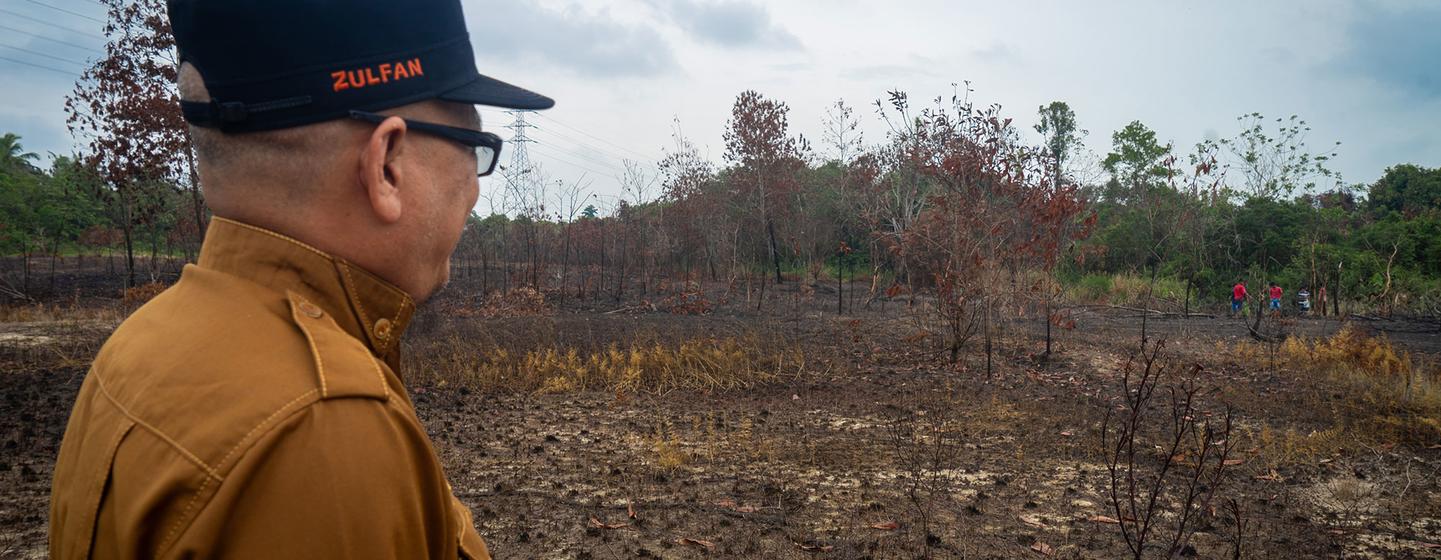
(694, 542)
(1032, 520)
(887, 526)
(815, 547)
(1043, 549)
(630, 509)
(603, 525)
(1233, 462)
(1104, 519)
(1067, 434)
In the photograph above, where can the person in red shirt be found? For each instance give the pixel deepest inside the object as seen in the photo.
(1238, 297)
(1276, 293)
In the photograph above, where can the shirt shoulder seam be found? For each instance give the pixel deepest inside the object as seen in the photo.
(184, 520)
(190, 456)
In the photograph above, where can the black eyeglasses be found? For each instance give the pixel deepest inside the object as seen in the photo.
(486, 145)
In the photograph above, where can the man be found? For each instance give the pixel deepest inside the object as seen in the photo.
(1238, 297)
(256, 409)
(1276, 293)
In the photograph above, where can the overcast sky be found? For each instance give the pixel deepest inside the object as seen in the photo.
(1366, 73)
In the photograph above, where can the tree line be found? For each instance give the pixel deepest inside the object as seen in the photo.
(954, 202)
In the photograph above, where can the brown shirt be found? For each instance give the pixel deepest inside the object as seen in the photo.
(253, 410)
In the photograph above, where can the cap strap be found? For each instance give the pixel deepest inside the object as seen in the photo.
(218, 114)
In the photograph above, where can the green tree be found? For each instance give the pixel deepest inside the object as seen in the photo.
(1062, 135)
(1276, 164)
(1408, 190)
(41, 213)
(13, 156)
(1137, 164)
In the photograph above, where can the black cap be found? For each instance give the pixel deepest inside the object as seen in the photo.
(272, 64)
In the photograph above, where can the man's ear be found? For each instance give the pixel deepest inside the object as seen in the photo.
(380, 173)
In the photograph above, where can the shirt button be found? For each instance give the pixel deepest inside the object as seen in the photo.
(310, 310)
(382, 329)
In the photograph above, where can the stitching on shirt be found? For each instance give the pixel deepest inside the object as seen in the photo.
(275, 235)
(114, 443)
(389, 341)
(404, 303)
(384, 387)
(100, 382)
(174, 533)
(395, 323)
(175, 527)
(344, 267)
(355, 299)
(407, 411)
(310, 339)
(263, 423)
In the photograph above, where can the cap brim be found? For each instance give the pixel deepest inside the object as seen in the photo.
(485, 90)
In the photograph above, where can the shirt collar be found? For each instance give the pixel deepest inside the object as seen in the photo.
(370, 309)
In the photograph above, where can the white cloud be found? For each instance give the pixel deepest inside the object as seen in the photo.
(621, 70)
(727, 23)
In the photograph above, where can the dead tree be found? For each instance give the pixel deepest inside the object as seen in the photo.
(1159, 498)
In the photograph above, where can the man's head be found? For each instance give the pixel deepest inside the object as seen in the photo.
(277, 147)
(389, 199)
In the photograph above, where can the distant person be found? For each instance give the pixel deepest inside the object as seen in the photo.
(1303, 301)
(256, 409)
(1238, 297)
(1276, 294)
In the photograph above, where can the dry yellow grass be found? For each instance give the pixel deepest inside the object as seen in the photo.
(666, 447)
(1398, 395)
(56, 313)
(649, 367)
(1387, 394)
(136, 296)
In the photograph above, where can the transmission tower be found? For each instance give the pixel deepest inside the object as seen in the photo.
(520, 175)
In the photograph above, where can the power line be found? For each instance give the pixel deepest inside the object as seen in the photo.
(41, 66)
(552, 119)
(59, 9)
(43, 22)
(520, 177)
(578, 154)
(577, 165)
(38, 53)
(638, 155)
(67, 43)
(583, 144)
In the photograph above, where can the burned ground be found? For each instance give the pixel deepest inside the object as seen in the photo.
(876, 448)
